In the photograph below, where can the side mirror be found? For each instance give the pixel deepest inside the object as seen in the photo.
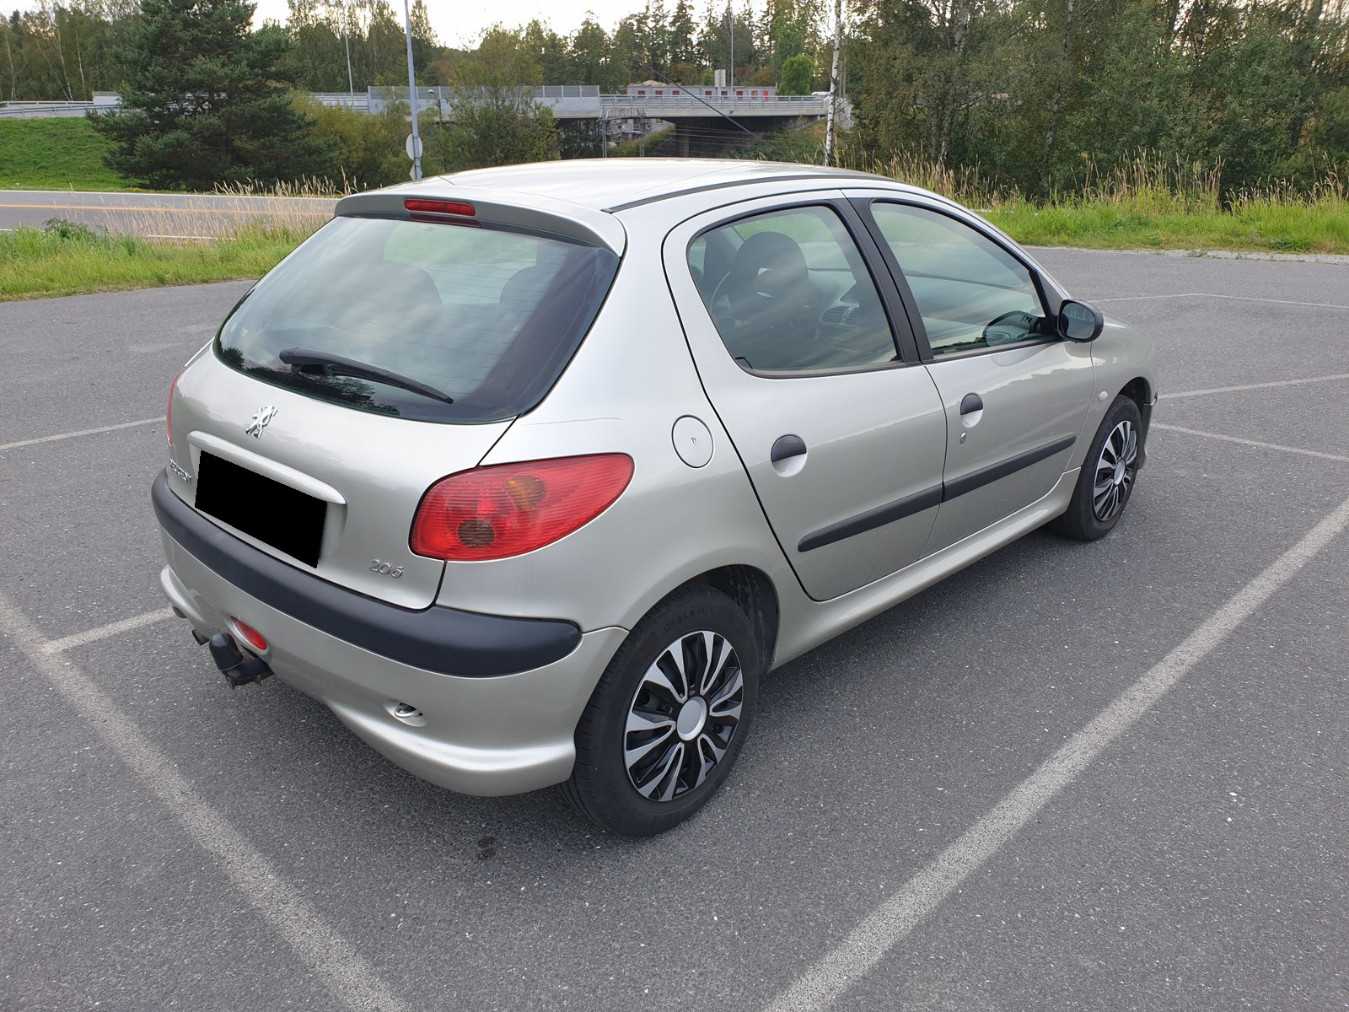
(1079, 321)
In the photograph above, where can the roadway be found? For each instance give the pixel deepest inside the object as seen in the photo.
(157, 215)
(1105, 776)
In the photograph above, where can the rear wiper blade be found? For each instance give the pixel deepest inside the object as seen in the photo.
(303, 358)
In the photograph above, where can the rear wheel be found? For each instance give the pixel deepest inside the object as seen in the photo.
(1107, 478)
(669, 716)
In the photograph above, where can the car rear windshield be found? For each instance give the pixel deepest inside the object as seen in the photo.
(428, 321)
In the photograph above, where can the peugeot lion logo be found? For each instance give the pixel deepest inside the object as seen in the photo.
(261, 417)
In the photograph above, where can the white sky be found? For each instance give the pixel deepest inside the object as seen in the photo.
(461, 24)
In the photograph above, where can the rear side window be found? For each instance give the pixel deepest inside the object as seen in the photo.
(788, 292)
(433, 322)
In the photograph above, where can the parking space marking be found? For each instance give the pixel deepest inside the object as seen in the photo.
(346, 974)
(869, 942)
(104, 631)
(1252, 442)
(1212, 295)
(1258, 386)
(82, 432)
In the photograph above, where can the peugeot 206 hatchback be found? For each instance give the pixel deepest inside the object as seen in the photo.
(531, 474)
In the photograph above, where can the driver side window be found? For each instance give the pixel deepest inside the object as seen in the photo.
(788, 292)
(971, 293)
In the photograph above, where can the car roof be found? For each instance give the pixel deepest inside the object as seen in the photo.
(610, 184)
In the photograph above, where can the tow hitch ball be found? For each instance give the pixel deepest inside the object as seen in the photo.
(237, 669)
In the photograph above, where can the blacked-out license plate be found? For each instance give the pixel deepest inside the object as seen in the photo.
(275, 514)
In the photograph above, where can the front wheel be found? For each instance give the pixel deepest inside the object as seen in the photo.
(669, 716)
(1107, 479)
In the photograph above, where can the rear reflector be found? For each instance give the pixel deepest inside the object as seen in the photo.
(250, 636)
(510, 509)
(440, 207)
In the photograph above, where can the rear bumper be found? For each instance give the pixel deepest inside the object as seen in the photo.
(444, 640)
(496, 728)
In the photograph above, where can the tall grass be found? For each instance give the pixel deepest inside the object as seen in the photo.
(65, 258)
(1151, 202)
(243, 236)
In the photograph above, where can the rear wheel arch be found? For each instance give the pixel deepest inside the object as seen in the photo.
(753, 591)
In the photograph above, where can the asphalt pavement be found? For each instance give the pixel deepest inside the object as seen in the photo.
(1105, 776)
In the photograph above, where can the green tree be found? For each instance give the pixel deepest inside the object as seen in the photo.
(203, 102)
(798, 73)
(496, 120)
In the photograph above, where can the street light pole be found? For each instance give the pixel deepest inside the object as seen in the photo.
(730, 71)
(346, 38)
(412, 96)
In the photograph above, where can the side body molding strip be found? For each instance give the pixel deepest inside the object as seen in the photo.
(900, 508)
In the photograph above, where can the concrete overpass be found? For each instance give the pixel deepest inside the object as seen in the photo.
(703, 122)
(706, 120)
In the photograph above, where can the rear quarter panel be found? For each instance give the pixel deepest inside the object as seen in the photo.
(631, 380)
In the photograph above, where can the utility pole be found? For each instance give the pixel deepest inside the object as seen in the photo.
(416, 150)
(833, 85)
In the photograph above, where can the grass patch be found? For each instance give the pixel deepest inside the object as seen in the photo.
(70, 259)
(54, 154)
(804, 146)
(1141, 208)
(651, 146)
(1151, 204)
(1256, 226)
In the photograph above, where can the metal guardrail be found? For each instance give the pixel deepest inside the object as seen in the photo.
(686, 105)
(571, 101)
(53, 110)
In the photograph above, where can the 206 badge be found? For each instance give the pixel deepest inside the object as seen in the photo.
(261, 417)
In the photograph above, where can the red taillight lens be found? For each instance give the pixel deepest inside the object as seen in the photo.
(510, 509)
(456, 207)
(168, 417)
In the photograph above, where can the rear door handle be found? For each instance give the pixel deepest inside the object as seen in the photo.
(787, 446)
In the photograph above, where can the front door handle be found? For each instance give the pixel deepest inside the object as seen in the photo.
(971, 403)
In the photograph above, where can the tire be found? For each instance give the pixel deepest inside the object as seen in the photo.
(653, 746)
(1108, 474)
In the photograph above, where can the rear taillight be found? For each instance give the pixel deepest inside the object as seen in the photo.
(510, 509)
(168, 417)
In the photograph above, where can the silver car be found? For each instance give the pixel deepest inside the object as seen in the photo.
(532, 473)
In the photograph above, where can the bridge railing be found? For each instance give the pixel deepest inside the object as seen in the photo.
(571, 101)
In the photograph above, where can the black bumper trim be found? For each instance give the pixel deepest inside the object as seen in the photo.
(447, 641)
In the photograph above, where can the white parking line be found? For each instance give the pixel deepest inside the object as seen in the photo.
(1251, 442)
(347, 975)
(81, 432)
(868, 943)
(1211, 295)
(1258, 386)
(104, 631)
